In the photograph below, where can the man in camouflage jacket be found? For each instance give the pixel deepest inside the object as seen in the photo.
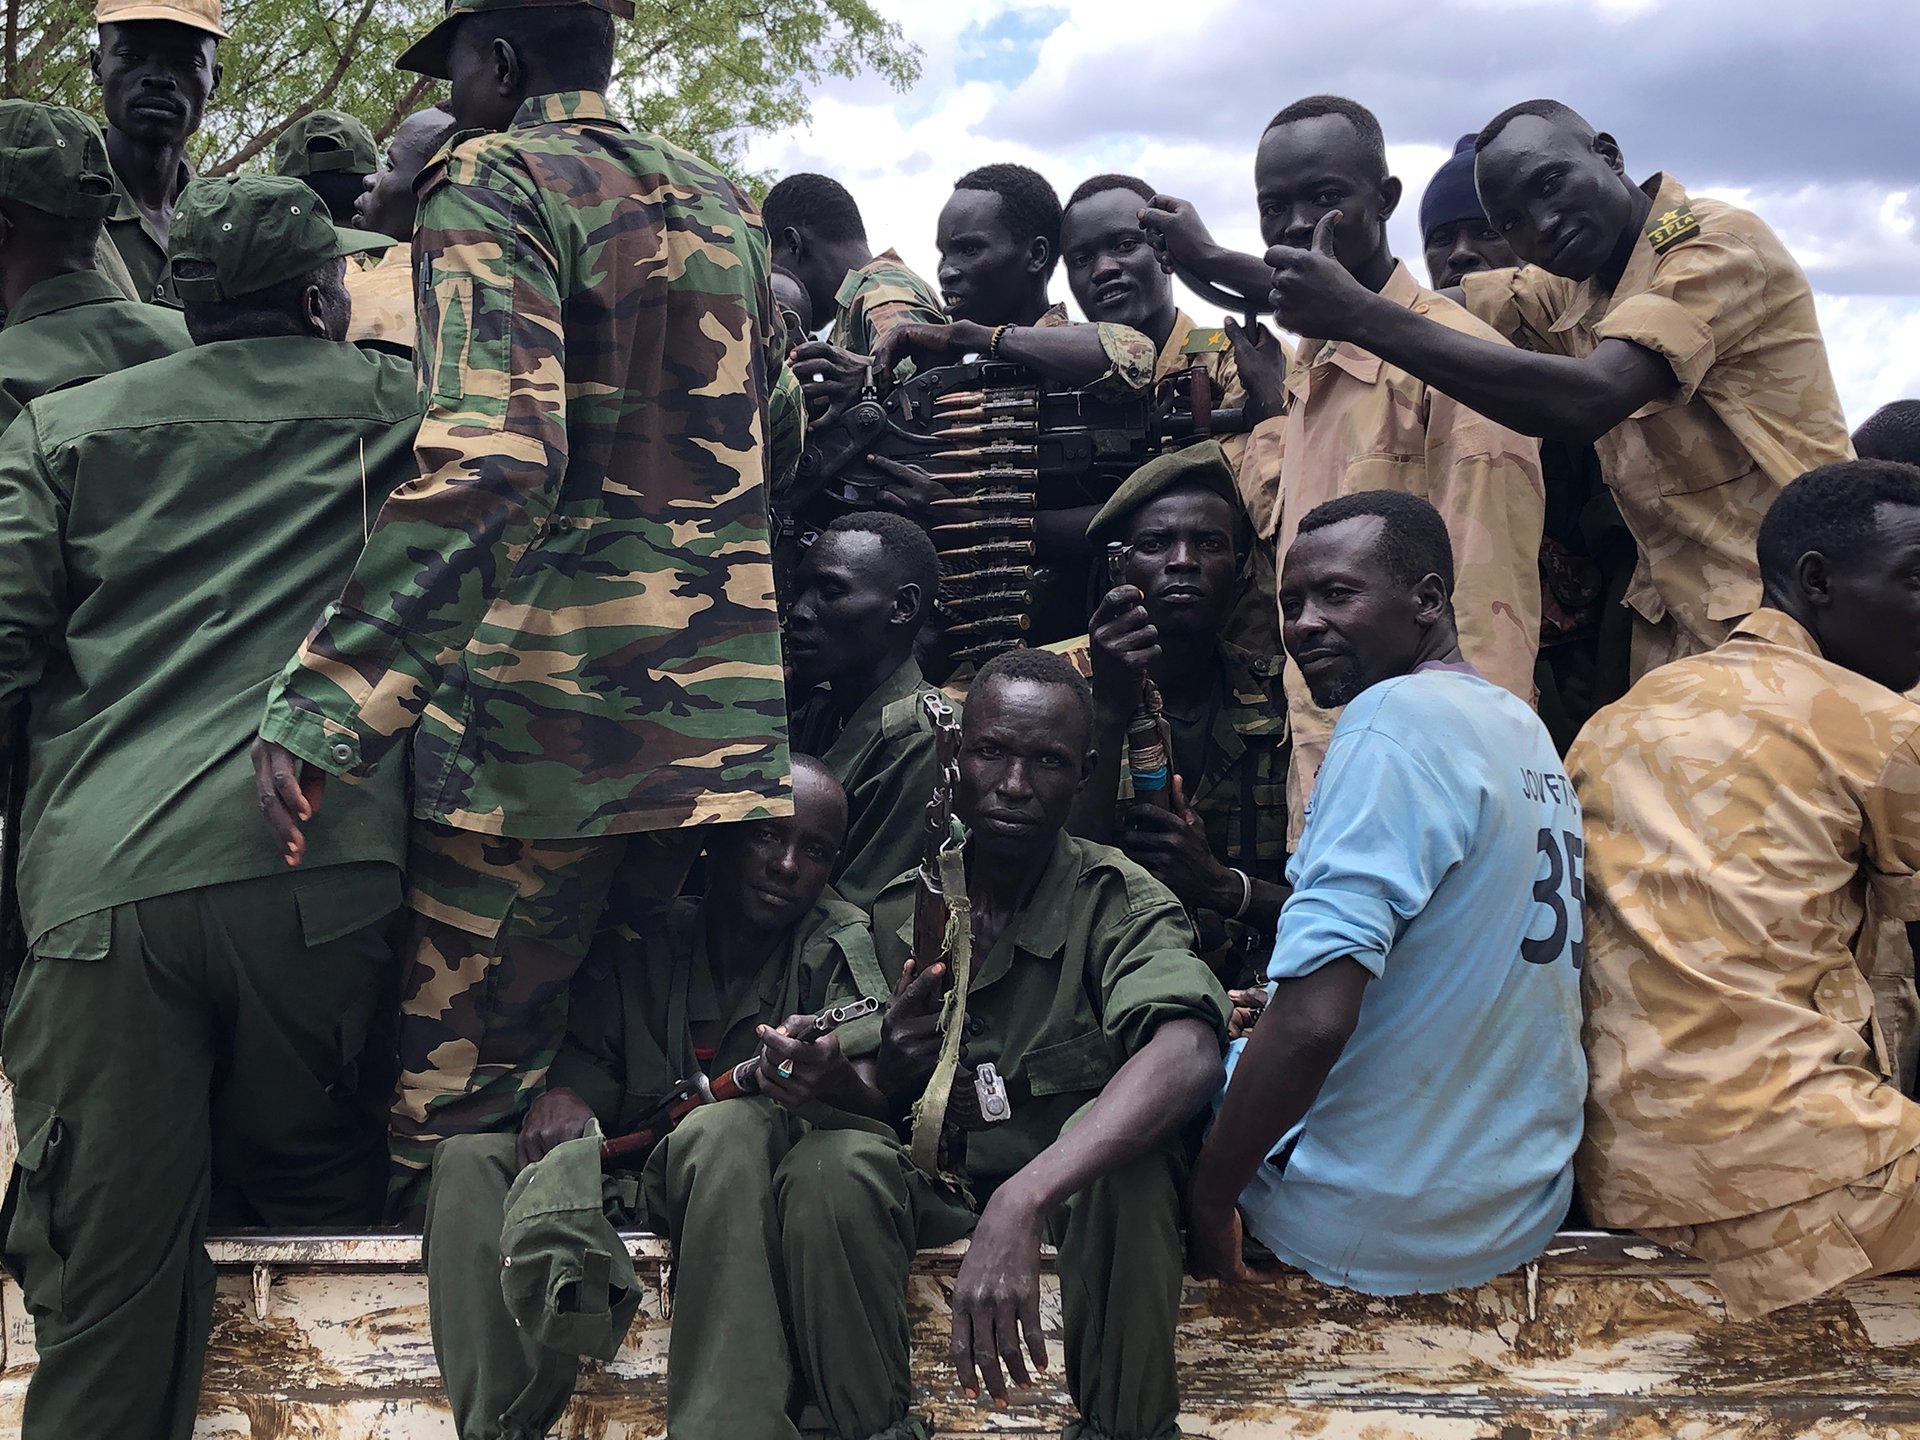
(571, 611)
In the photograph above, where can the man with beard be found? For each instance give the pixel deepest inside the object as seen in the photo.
(860, 595)
(1676, 334)
(1403, 1118)
(1218, 836)
(156, 69)
(1354, 422)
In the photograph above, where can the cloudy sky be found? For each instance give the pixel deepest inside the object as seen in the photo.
(1808, 114)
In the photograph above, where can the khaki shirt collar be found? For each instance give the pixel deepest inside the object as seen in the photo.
(1402, 290)
(1589, 302)
(64, 292)
(1173, 355)
(1776, 627)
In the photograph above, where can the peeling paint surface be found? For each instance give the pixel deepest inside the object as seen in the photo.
(325, 1338)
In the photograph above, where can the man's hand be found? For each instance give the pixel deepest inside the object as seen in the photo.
(1263, 369)
(910, 1031)
(796, 1070)
(1177, 233)
(996, 1300)
(925, 343)
(1247, 1007)
(289, 791)
(912, 491)
(556, 1117)
(1170, 844)
(1216, 1247)
(832, 379)
(1123, 645)
(1313, 294)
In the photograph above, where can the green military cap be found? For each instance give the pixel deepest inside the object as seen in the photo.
(53, 159)
(325, 140)
(564, 1271)
(1204, 465)
(429, 54)
(255, 231)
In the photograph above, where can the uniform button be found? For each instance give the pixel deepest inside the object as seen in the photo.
(976, 1026)
(563, 523)
(343, 752)
(1847, 1057)
(508, 1261)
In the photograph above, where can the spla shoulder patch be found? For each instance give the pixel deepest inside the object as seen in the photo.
(1206, 342)
(1668, 230)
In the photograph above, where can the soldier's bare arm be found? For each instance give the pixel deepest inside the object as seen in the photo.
(1550, 396)
(1071, 354)
(1176, 231)
(996, 1298)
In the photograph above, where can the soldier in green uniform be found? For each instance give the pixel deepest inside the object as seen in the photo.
(66, 322)
(570, 611)
(1221, 843)
(749, 1191)
(186, 1042)
(817, 234)
(860, 596)
(157, 66)
(332, 152)
(1088, 997)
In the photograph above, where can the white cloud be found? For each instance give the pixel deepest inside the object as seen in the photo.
(1806, 118)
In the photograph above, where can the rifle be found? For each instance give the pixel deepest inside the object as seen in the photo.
(1149, 741)
(697, 1090)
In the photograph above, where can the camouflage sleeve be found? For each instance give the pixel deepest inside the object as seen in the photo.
(1892, 835)
(786, 430)
(1129, 353)
(1484, 479)
(492, 452)
(1708, 295)
(33, 572)
(893, 299)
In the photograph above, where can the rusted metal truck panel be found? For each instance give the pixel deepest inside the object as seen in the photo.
(325, 1338)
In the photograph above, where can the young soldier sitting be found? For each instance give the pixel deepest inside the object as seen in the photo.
(751, 1194)
(1217, 834)
(1423, 1140)
(1087, 996)
(1753, 815)
(860, 595)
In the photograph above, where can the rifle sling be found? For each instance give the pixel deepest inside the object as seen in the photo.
(930, 1115)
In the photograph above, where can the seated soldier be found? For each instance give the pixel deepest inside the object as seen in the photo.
(860, 596)
(1403, 1119)
(1752, 814)
(751, 1194)
(1217, 836)
(1088, 998)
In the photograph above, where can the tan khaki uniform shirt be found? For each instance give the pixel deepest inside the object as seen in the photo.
(1713, 291)
(1355, 423)
(1749, 815)
(382, 295)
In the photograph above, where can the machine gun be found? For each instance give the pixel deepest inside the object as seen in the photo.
(1009, 445)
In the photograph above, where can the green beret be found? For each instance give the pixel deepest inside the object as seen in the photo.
(53, 159)
(1203, 465)
(431, 54)
(325, 140)
(255, 231)
(565, 1273)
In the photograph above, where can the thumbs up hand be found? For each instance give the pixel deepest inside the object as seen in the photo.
(1313, 295)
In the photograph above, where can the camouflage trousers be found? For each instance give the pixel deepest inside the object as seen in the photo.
(1808, 1249)
(499, 927)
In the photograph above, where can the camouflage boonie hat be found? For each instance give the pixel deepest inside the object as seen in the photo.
(564, 1271)
(54, 159)
(194, 14)
(429, 54)
(255, 231)
(1204, 464)
(323, 141)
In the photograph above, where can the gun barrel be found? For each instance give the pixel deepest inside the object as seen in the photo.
(992, 525)
(1002, 549)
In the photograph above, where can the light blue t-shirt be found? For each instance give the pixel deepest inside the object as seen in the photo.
(1442, 852)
